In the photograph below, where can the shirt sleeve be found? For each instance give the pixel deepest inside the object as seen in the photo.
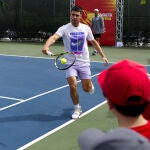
(60, 30)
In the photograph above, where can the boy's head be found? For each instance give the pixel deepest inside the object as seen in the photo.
(126, 84)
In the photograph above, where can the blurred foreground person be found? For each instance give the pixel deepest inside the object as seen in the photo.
(126, 87)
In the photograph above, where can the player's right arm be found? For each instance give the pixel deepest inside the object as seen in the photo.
(52, 39)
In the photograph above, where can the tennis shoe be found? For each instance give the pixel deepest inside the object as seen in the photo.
(77, 113)
(92, 90)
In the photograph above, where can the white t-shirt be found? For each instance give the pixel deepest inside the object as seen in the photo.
(75, 40)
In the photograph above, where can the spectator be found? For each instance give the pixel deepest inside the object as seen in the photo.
(97, 26)
(118, 139)
(127, 88)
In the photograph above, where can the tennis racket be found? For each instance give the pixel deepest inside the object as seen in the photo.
(70, 60)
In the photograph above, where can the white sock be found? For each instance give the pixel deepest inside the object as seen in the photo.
(92, 90)
(77, 106)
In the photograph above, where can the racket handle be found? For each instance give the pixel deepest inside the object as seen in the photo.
(50, 53)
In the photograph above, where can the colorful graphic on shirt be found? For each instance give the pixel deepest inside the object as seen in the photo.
(77, 42)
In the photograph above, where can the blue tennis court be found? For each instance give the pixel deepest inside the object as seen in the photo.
(35, 98)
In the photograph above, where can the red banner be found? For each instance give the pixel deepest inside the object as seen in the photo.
(107, 9)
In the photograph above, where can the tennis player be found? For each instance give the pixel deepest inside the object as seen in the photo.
(75, 36)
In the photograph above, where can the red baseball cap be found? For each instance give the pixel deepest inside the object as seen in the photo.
(123, 80)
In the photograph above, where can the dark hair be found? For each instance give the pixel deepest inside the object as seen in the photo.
(76, 8)
(132, 110)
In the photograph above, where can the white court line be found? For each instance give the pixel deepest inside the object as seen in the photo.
(58, 128)
(33, 97)
(15, 99)
(24, 56)
(36, 57)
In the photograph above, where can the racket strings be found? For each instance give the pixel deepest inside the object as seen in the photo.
(70, 61)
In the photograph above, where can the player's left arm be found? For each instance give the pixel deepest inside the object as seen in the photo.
(99, 50)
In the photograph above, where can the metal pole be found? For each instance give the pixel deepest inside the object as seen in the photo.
(119, 22)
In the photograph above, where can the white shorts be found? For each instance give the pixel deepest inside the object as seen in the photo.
(83, 72)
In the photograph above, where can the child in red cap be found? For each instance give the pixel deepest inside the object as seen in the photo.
(127, 88)
(146, 113)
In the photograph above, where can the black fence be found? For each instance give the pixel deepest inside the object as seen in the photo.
(32, 19)
(38, 19)
(136, 23)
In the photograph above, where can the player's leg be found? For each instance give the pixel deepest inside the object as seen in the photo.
(85, 76)
(97, 38)
(87, 86)
(73, 90)
(71, 75)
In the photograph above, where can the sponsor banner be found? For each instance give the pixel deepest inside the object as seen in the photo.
(107, 9)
